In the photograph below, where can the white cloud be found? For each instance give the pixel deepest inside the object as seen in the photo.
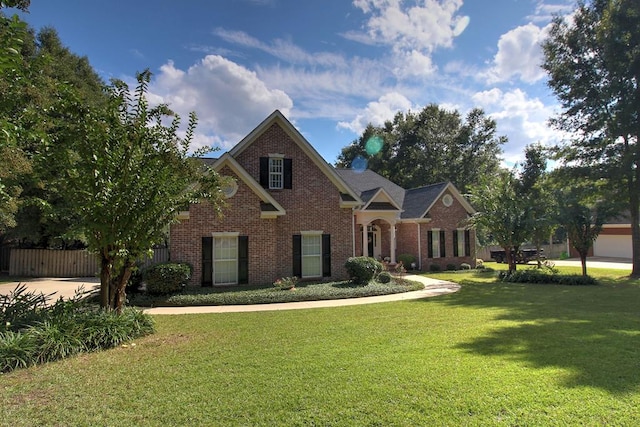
(413, 32)
(545, 11)
(519, 55)
(228, 99)
(378, 112)
(524, 120)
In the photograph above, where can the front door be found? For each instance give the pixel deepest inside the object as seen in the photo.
(373, 241)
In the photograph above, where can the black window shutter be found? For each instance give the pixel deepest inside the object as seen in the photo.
(207, 261)
(442, 244)
(243, 260)
(430, 244)
(297, 255)
(326, 255)
(467, 243)
(455, 243)
(288, 175)
(264, 172)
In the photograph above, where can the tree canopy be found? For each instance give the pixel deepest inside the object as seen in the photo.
(433, 145)
(593, 61)
(39, 82)
(134, 175)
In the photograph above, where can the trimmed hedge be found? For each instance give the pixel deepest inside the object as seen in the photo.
(167, 278)
(362, 269)
(534, 275)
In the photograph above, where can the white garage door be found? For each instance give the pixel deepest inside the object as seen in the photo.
(612, 246)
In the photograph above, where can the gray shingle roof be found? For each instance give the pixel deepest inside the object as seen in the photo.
(366, 183)
(414, 202)
(418, 200)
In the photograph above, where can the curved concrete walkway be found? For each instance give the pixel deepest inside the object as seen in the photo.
(66, 288)
(433, 287)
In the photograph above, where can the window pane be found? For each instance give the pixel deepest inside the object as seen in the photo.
(312, 256)
(225, 260)
(275, 173)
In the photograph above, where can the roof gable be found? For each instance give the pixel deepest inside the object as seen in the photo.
(414, 203)
(367, 183)
(348, 197)
(269, 207)
(419, 201)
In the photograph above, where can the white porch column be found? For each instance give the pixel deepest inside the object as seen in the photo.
(365, 241)
(393, 242)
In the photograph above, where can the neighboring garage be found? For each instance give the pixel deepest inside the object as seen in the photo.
(607, 245)
(614, 241)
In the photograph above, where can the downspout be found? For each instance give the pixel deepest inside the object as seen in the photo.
(353, 231)
(419, 249)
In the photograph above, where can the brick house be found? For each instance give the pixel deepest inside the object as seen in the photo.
(289, 213)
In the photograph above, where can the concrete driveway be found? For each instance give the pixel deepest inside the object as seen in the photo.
(595, 262)
(62, 287)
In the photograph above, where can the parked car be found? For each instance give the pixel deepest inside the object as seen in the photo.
(522, 257)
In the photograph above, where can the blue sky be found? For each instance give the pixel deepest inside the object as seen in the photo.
(330, 66)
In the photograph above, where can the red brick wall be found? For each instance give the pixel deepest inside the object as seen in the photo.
(312, 204)
(446, 219)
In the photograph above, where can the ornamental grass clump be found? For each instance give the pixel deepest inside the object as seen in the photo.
(33, 331)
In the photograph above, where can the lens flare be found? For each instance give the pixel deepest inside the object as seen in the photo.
(373, 145)
(359, 164)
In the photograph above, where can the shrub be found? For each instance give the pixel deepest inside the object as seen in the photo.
(286, 283)
(361, 270)
(135, 281)
(384, 277)
(451, 267)
(434, 267)
(534, 275)
(167, 278)
(406, 259)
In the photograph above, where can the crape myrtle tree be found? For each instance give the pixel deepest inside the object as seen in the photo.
(593, 61)
(432, 145)
(582, 211)
(534, 187)
(503, 212)
(134, 175)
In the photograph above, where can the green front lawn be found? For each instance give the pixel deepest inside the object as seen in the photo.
(490, 354)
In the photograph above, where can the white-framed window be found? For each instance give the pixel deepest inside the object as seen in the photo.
(312, 255)
(276, 173)
(225, 259)
(435, 243)
(461, 243)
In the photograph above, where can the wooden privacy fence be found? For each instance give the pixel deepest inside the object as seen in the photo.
(57, 263)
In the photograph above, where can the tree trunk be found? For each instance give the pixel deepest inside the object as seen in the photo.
(583, 261)
(105, 280)
(635, 227)
(511, 258)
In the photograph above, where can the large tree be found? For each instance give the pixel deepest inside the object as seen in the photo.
(39, 105)
(593, 61)
(133, 175)
(433, 145)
